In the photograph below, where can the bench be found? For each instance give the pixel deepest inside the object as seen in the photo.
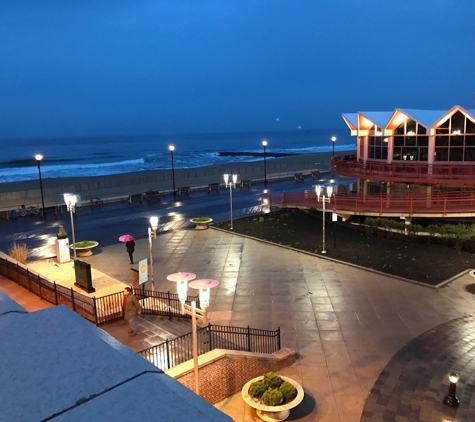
(94, 200)
(246, 182)
(315, 174)
(135, 197)
(213, 186)
(298, 177)
(56, 209)
(151, 194)
(186, 190)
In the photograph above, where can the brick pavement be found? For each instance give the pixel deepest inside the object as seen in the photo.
(414, 383)
(346, 323)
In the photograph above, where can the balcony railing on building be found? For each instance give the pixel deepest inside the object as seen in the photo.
(461, 203)
(349, 166)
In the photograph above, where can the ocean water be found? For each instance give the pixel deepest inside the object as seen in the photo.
(76, 157)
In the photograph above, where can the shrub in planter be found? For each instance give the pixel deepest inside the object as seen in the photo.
(272, 380)
(201, 219)
(257, 389)
(289, 392)
(85, 244)
(272, 397)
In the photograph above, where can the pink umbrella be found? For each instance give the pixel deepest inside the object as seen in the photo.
(126, 238)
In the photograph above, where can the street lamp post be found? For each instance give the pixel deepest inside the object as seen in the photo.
(172, 148)
(38, 158)
(451, 399)
(70, 200)
(324, 198)
(333, 143)
(264, 144)
(195, 313)
(232, 184)
(152, 231)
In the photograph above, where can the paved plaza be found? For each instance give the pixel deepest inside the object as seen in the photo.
(352, 328)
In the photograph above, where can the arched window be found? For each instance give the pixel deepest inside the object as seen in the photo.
(410, 142)
(455, 139)
(378, 147)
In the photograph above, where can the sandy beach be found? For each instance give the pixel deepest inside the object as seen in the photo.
(13, 194)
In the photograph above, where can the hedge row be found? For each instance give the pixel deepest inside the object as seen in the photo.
(460, 236)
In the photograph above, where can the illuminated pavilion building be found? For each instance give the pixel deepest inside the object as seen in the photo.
(425, 158)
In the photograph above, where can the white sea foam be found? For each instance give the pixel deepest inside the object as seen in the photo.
(102, 156)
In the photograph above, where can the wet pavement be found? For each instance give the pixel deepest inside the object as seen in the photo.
(362, 338)
(105, 223)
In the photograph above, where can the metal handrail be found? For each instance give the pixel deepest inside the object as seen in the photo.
(437, 203)
(178, 350)
(348, 165)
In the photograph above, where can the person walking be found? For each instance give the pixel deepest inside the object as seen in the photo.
(130, 249)
(132, 308)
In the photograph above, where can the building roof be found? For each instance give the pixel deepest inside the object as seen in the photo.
(427, 118)
(58, 365)
(379, 118)
(351, 118)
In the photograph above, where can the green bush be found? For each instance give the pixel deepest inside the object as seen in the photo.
(289, 392)
(272, 380)
(370, 221)
(459, 237)
(433, 230)
(85, 244)
(201, 219)
(257, 389)
(272, 398)
(413, 229)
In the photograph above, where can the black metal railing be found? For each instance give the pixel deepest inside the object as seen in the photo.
(163, 303)
(48, 290)
(176, 351)
(110, 308)
(101, 310)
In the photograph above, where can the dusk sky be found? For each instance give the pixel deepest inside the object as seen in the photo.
(116, 67)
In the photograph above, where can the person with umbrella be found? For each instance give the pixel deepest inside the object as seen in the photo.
(129, 245)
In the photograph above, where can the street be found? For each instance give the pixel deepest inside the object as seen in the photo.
(105, 223)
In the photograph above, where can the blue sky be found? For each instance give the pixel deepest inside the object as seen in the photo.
(115, 67)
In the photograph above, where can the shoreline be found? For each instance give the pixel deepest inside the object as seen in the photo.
(13, 194)
(269, 155)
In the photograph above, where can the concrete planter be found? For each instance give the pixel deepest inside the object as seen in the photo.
(84, 250)
(201, 222)
(272, 413)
